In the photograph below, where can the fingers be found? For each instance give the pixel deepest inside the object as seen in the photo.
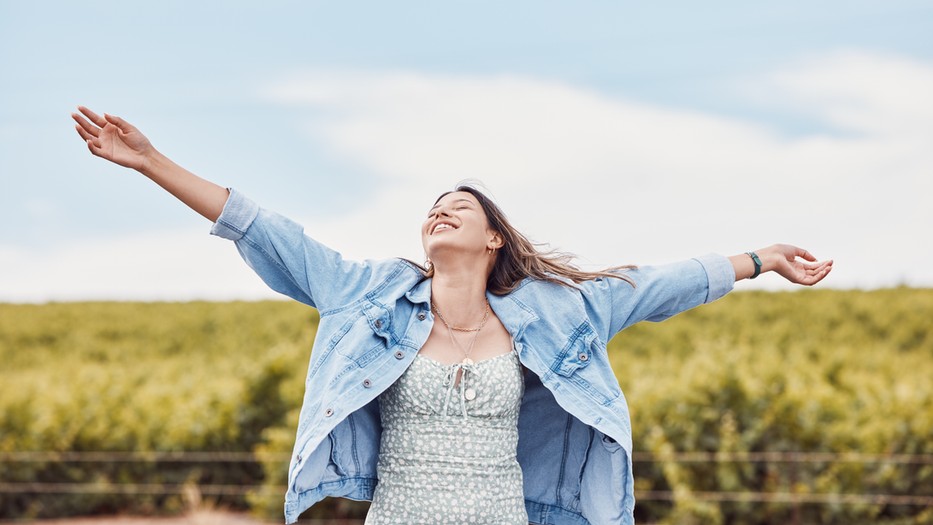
(87, 131)
(94, 147)
(813, 265)
(804, 254)
(99, 121)
(816, 274)
(817, 277)
(84, 134)
(817, 268)
(84, 127)
(123, 125)
(94, 117)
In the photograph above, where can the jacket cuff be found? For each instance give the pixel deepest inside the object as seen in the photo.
(720, 273)
(238, 213)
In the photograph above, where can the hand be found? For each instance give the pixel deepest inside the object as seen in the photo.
(114, 139)
(784, 259)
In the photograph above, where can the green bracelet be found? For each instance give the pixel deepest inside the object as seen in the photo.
(757, 262)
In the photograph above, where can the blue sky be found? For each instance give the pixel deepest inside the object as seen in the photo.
(624, 133)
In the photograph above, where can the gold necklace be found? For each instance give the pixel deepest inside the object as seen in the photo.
(469, 393)
(457, 328)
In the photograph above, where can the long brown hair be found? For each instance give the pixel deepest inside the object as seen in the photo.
(519, 258)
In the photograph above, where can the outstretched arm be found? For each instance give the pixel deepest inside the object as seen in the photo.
(116, 140)
(785, 260)
(663, 291)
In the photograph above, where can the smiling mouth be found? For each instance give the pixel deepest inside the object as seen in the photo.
(442, 227)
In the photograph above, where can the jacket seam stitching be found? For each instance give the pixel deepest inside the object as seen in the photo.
(563, 462)
(399, 266)
(230, 226)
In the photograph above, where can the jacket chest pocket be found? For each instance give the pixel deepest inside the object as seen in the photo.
(584, 363)
(365, 335)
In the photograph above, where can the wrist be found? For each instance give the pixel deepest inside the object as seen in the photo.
(770, 258)
(151, 162)
(756, 263)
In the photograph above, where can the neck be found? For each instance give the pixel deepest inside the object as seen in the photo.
(459, 295)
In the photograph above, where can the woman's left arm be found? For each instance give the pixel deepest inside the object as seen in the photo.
(659, 292)
(790, 262)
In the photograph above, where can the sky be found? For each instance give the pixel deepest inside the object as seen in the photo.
(623, 132)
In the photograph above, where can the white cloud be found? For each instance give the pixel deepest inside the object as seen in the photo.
(612, 179)
(617, 181)
(866, 92)
(172, 266)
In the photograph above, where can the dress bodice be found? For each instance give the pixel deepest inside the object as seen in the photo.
(449, 441)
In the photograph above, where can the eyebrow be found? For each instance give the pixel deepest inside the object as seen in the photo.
(468, 201)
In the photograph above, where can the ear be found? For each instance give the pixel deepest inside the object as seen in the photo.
(495, 241)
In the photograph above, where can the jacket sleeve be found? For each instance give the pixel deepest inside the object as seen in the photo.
(658, 293)
(286, 259)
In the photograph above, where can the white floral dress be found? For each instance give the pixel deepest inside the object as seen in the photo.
(448, 450)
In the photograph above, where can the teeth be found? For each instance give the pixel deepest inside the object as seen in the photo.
(442, 226)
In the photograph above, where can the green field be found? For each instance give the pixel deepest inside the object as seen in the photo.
(839, 372)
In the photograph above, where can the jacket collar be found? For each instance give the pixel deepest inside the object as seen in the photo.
(513, 314)
(420, 293)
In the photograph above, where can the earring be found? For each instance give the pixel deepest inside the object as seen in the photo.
(428, 264)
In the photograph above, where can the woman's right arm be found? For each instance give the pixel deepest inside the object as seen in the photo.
(116, 140)
(277, 248)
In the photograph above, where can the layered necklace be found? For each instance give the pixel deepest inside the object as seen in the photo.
(469, 393)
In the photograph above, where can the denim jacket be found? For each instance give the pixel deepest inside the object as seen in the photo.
(575, 436)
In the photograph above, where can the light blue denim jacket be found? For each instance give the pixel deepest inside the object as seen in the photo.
(575, 437)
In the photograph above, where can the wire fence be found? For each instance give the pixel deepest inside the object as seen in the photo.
(784, 457)
(140, 456)
(637, 457)
(789, 497)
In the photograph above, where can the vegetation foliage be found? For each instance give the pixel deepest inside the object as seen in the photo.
(808, 371)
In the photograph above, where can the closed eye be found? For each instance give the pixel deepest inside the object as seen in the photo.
(464, 204)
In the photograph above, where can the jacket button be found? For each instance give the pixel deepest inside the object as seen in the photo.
(399, 354)
(378, 323)
(367, 383)
(329, 412)
(421, 316)
(584, 357)
(298, 459)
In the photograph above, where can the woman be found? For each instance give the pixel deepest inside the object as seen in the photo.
(504, 411)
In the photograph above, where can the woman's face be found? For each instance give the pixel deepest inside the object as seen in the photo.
(457, 223)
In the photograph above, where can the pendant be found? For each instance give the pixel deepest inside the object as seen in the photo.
(469, 394)
(466, 361)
